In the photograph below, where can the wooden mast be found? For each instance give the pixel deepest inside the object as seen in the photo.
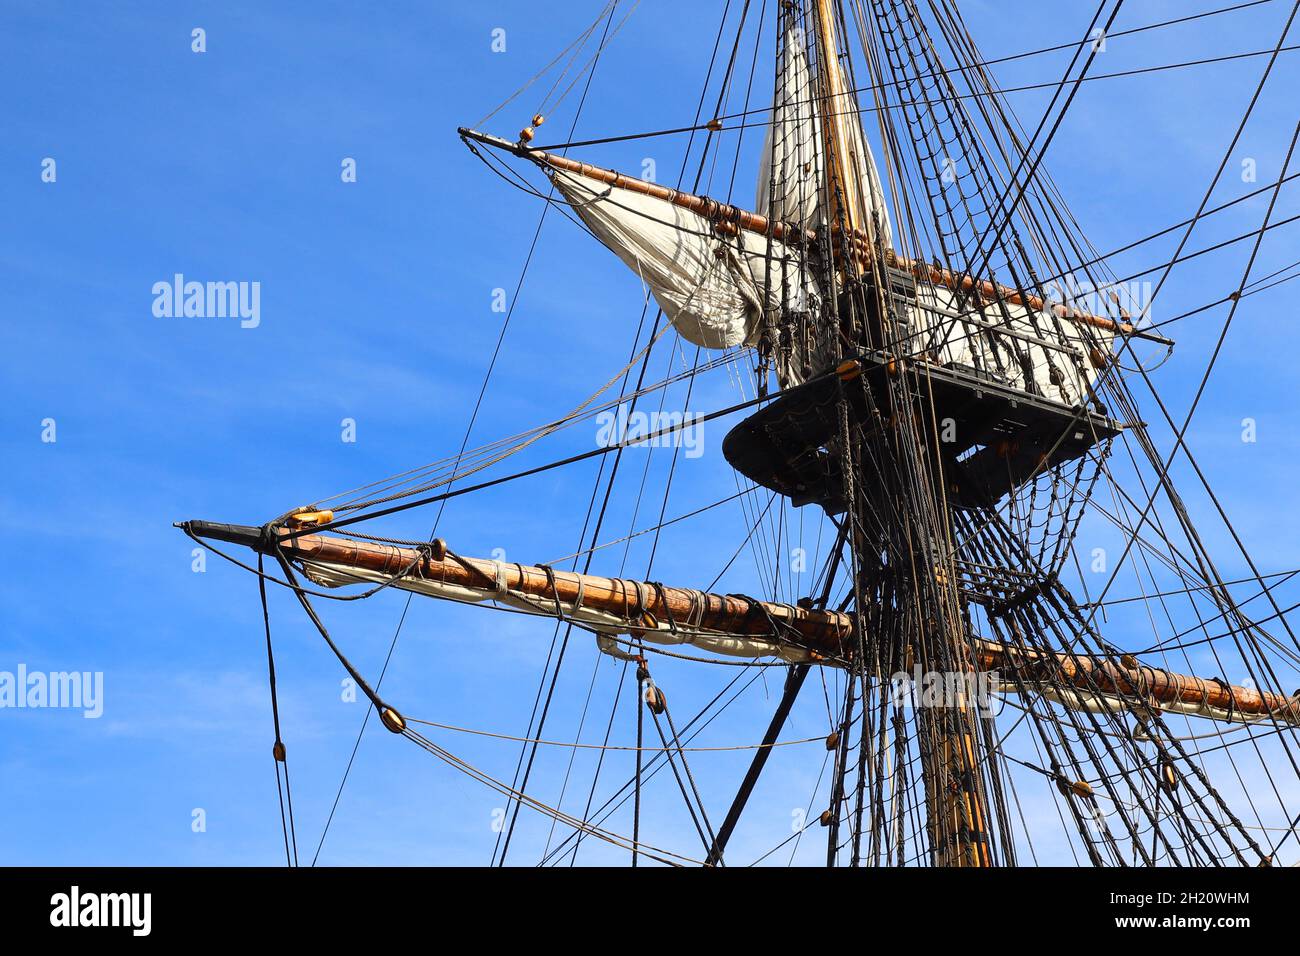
(957, 816)
(843, 189)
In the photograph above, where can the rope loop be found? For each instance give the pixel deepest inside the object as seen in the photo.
(555, 591)
(662, 594)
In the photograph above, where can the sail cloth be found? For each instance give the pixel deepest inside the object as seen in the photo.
(718, 289)
(714, 288)
(861, 165)
(1030, 351)
(790, 166)
(791, 177)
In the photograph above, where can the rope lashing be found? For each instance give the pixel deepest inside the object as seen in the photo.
(663, 601)
(555, 591)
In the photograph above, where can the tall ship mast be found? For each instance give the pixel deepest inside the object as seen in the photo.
(915, 375)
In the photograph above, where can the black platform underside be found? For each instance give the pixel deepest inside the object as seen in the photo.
(999, 435)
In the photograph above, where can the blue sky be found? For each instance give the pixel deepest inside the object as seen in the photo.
(376, 306)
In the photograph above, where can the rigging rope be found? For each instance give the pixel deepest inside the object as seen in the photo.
(278, 753)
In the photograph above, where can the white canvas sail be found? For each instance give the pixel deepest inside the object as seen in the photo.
(995, 339)
(863, 164)
(791, 174)
(790, 168)
(714, 288)
(857, 181)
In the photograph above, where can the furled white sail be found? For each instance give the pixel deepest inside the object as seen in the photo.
(862, 165)
(791, 178)
(999, 340)
(857, 180)
(603, 623)
(714, 288)
(790, 166)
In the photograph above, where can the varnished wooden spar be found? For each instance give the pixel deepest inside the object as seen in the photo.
(827, 634)
(704, 206)
(794, 235)
(1095, 675)
(641, 604)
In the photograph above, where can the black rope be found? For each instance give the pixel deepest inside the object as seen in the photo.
(571, 460)
(305, 601)
(278, 753)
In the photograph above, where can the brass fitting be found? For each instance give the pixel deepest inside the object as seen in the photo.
(392, 720)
